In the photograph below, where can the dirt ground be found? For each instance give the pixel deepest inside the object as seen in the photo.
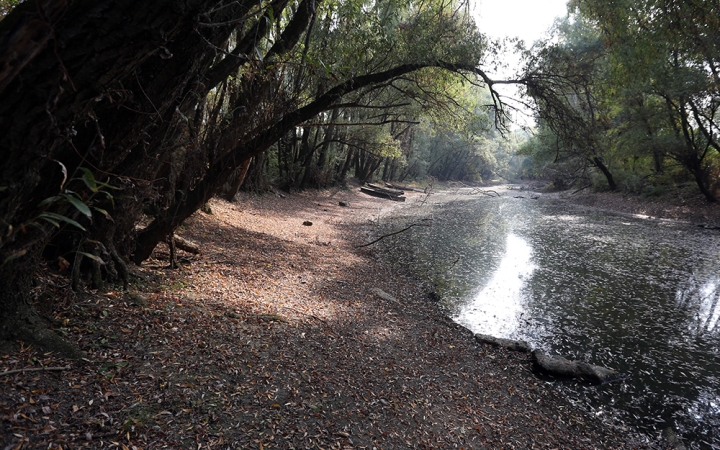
(687, 205)
(275, 337)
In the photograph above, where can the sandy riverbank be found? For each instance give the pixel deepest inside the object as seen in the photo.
(274, 338)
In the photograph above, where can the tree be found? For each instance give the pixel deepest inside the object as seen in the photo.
(566, 79)
(113, 109)
(665, 56)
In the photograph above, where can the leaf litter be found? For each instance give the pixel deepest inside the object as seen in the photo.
(273, 338)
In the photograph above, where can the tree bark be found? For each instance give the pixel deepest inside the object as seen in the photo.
(242, 172)
(18, 320)
(117, 88)
(603, 168)
(221, 169)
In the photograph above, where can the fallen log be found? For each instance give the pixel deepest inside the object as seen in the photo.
(518, 346)
(376, 193)
(400, 187)
(383, 189)
(561, 367)
(188, 246)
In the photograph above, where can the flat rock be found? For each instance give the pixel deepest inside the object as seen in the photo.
(384, 295)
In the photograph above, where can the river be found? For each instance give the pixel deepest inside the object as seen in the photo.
(635, 294)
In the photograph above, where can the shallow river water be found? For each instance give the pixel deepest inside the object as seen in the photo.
(638, 295)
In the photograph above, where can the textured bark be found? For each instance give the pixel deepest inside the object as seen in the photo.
(222, 169)
(25, 34)
(118, 88)
(86, 83)
(19, 321)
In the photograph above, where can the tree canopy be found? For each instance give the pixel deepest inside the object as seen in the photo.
(638, 85)
(119, 119)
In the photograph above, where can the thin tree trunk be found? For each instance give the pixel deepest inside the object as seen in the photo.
(242, 172)
(346, 166)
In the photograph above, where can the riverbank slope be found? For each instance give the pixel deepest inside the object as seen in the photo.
(275, 337)
(682, 205)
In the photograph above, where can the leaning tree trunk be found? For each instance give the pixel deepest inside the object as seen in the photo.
(241, 173)
(694, 165)
(603, 168)
(84, 85)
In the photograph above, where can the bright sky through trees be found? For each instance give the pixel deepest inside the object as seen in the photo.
(528, 20)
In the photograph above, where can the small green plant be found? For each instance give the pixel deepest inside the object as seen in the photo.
(139, 417)
(109, 371)
(66, 196)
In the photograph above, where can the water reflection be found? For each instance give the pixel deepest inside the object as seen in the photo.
(701, 300)
(637, 295)
(498, 307)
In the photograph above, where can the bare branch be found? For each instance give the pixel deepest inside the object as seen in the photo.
(393, 234)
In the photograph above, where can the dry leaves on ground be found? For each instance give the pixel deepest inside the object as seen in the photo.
(273, 338)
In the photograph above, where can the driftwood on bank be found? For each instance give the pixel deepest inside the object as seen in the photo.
(188, 246)
(518, 346)
(377, 191)
(561, 367)
(385, 189)
(555, 365)
(400, 187)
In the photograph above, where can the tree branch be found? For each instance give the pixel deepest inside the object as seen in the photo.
(354, 124)
(34, 369)
(393, 234)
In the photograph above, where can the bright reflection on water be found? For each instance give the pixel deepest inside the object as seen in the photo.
(707, 309)
(640, 296)
(497, 307)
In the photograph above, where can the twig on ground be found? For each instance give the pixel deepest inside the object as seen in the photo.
(392, 234)
(34, 369)
(582, 188)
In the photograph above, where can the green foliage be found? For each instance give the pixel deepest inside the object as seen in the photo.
(7, 5)
(644, 82)
(62, 209)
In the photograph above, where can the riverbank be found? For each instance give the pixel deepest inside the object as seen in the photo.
(682, 205)
(275, 337)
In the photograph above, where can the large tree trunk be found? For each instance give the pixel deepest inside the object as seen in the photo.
(93, 95)
(107, 99)
(19, 321)
(694, 165)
